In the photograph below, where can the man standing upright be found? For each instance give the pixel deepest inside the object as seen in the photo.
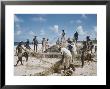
(83, 50)
(88, 41)
(35, 42)
(76, 36)
(46, 44)
(63, 38)
(43, 44)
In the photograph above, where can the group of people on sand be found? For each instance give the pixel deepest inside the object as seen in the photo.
(67, 47)
(87, 50)
(68, 50)
(45, 44)
(22, 51)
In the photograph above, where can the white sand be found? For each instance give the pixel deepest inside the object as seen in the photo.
(35, 66)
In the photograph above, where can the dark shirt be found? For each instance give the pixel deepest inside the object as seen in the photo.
(76, 35)
(35, 41)
(27, 45)
(63, 34)
(69, 41)
(88, 39)
(70, 48)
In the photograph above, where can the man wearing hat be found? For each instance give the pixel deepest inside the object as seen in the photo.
(35, 42)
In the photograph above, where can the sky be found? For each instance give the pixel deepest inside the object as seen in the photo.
(50, 26)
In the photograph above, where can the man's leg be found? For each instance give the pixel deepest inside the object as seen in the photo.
(63, 62)
(34, 47)
(91, 50)
(42, 48)
(67, 62)
(17, 61)
(19, 55)
(62, 59)
(20, 58)
(76, 40)
(26, 57)
(64, 67)
(82, 59)
(73, 56)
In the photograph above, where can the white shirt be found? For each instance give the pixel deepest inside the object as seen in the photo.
(66, 52)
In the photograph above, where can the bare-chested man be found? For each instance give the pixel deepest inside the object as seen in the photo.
(19, 52)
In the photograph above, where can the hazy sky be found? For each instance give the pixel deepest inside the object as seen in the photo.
(26, 26)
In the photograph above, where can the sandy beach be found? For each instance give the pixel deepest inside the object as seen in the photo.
(45, 66)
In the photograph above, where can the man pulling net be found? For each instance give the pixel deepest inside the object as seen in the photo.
(67, 61)
(19, 52)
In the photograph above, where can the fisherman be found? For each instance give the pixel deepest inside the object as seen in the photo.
(27, 44)
(43, 44)
(83, 50)
(70, 47)
(35, 42)
(19, 52)
(46, 44)
(63, 36)
(91, 46)
(88, 40)
(84, 46)
(76, 36)
(67, 59)
(26, 53)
